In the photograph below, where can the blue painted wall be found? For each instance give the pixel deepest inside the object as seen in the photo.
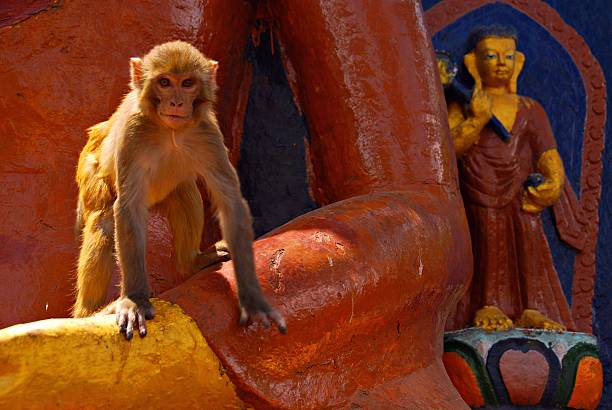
(548, 65)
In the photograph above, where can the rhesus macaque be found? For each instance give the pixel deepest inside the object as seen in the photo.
(163, 136)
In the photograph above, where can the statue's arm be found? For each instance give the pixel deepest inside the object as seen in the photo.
(466, 130)
(535, 199)
(547, 161)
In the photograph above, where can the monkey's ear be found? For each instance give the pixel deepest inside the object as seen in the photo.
(136, 73)
(214, 66)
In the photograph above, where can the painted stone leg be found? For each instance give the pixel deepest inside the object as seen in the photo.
(369, 274)
(364, 286)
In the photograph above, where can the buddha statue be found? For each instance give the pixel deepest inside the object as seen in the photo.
(514, 282)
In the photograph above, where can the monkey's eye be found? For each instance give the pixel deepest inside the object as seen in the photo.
(187, 83)
(164, 82)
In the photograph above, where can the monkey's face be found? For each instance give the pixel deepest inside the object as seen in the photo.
(176, 98)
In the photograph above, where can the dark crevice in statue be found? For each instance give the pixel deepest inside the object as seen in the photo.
(514, 282)
(272, 165)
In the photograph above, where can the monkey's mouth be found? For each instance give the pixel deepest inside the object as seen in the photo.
(176, 116)
(174, 120)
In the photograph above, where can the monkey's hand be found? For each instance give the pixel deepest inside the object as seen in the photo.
(259, 310)
(131, 312)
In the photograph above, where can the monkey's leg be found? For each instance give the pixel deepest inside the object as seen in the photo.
(236, 226)
(185, 213)
(96, 263)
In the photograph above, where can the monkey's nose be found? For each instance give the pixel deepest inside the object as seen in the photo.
(176, 104)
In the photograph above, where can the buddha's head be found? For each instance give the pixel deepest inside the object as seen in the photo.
(493, 60)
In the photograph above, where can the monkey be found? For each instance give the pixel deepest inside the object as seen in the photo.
(162, 138)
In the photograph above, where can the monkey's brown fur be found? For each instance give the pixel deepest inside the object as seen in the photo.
(162, 137)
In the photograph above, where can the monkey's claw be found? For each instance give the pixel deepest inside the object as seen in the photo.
(264, 317)
(131, 313)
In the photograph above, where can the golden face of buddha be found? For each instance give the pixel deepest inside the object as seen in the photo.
(496, 60)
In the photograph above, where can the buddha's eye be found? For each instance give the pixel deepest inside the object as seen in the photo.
(490, 56)
(164, 82)
(510, 57)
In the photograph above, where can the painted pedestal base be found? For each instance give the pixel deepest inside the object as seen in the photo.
(524, 367)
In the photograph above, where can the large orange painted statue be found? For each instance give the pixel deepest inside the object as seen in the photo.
(514, 276)
(366, 282)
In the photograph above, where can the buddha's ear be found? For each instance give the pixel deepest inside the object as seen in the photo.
(519, 61)
(470, 63)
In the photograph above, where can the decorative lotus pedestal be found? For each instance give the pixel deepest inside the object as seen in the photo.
(524, 367)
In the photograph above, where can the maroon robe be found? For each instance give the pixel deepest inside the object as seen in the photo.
(513, 266)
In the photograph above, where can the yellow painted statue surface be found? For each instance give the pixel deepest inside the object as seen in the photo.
(60, 362)
(514, 281)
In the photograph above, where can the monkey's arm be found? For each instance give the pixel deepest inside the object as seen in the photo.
(236, 227)
(130, 214)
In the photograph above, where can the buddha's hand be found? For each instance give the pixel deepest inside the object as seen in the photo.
(535, 199)
(481, 105)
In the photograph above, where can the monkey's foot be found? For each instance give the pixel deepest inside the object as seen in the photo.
(220, 246)
(213, 255)
(492, 318)
(264, 317)
(531, 318)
